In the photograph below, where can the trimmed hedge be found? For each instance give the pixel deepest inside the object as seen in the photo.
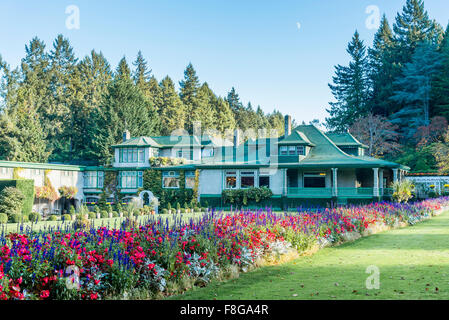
(26, 186)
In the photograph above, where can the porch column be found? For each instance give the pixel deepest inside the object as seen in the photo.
(334, 178)
(376, 182)
(381, 182)
(395, 175)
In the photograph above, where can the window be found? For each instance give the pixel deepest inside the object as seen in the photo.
(91, 201)
(231, 179)
(93, 179)
(264, 181)
(190, 179)
(131, 179)
(283, 151)
(131, 155)
(291, 150)
(314, 180)
(100, 179)
(247, 179)
(350, 150)
(170, 179)
(301, 150)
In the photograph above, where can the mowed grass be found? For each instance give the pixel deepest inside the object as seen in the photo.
(413, 264)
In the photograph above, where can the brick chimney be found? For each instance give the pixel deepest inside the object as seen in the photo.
(287, 125)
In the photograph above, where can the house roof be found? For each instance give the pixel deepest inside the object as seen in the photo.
(344, 139)
(296, 137)
(138, 142)
(177, 141)
(326, 152)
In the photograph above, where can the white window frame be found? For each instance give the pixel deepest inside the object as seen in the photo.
(170, 174)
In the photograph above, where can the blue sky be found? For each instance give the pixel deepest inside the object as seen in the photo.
(255, 46)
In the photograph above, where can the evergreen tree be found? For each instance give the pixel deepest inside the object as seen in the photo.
(233, 100)
(276, 121)
(64, 87)
(172, 113)
(189, 90)
(204, 111)
(224, 116)
(123, 108)
(414, 89)
(382, 70)
(95, 76)
(350, 88)
(411, 27)
(154, 93)
(141, 74)
(22, 137)
(123, 71)
(440, 88)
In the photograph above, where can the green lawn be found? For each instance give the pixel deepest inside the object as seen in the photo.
(413, 264)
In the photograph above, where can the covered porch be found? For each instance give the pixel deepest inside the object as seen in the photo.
(340, 183)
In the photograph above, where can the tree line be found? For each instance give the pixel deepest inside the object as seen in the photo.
(394, 95)
(56, 107)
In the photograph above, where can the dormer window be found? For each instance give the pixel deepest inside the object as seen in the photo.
(292, 150)
(283, 150)
(132, 155)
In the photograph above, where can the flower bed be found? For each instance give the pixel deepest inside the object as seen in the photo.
(164, 259)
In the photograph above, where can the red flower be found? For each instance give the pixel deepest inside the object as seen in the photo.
(44, 294)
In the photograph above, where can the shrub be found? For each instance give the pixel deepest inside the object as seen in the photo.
(66, 217)
(72, 210)
(11, 201)
(164, 211)
(35, 217)
(402, 190)
(3, 218)
(15, 218)
(115, 214)
(92, 215)
(81, 223)
(183, 210)
(104, 214)
(196, 209)
(52, 218)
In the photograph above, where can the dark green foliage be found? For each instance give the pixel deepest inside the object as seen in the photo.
(53, 218)
(11, 201)
(244, 196)
(26, 187)
(66, 217)
(92, 215)
(349, 88)
(104, 214)
(419, 160)
(414, 89)
(35, 217)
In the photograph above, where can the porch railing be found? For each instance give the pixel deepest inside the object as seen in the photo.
(355, 192)
(310, 192)
(328, 192)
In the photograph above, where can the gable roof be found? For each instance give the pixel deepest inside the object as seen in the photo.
(177, 141)
(138, 142)
(344, 139)
(296, 137)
